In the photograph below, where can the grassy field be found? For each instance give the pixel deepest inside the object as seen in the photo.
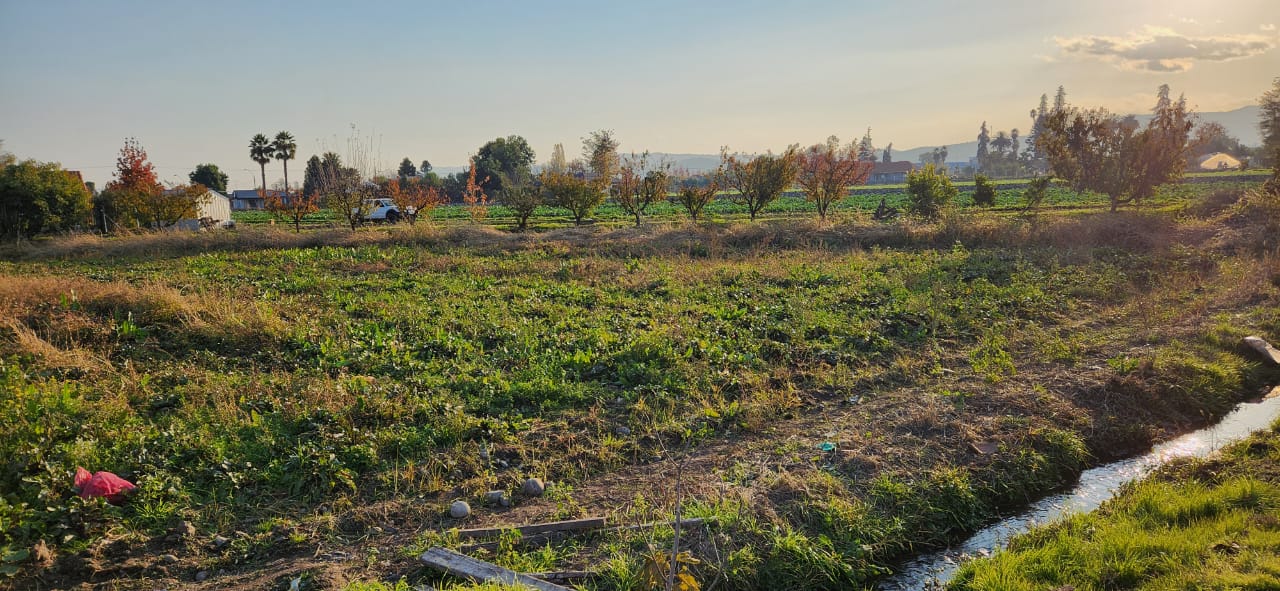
(1204, 524)
(832, 397)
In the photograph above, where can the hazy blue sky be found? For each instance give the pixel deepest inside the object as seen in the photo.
(194, 81)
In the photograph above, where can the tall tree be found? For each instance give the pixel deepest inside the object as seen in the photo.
(760, 180)
(866, 149)
(425, 168)
(210, 176)
(1013, 143)
(984, 140)
(888, 153)
(600, 151)
(311, 177)
(510, 156)
(407, 170)
(1060, 99)
(285, 149)
(1001, 143)
(261, 151)
(557, 162)
(1269, 124)
(1098, 151)
(825, 172)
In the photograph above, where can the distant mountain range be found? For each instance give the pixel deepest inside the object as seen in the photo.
(1241, 123)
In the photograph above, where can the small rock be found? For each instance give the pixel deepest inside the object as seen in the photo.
(168, 559)
(202, 576)
(533, 487)
(484, 454)
(502, 463)
(497, 497)
(220, 541)
(459, 509)
(622, 431)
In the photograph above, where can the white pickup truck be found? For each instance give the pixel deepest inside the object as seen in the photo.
(382, 210)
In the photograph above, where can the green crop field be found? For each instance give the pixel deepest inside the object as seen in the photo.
(861, 202)
(822, 395)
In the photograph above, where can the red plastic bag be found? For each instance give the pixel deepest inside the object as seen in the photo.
(103, 484)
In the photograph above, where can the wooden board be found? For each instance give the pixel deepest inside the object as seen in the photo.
(537, 528)
(471, 569)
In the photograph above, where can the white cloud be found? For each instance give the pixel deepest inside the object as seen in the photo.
(1158, 49)
(1267, 27)
(1188, 20)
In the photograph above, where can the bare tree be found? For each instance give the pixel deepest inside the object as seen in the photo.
(344, 187)
(639, 186)
(695, 197)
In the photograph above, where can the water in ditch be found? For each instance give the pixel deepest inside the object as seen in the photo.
(934, 570)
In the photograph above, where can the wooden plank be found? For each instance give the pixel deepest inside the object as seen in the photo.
(480, 571)
(537, 528)
(683, 523)
(543, 538)
(564, 576)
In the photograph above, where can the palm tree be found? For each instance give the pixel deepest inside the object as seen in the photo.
(285, 150)
(260, 151)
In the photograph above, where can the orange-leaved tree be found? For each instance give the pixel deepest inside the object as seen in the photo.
(126, 199)
(473, 196)
(294, 207)
(416, 198)
(825, 172)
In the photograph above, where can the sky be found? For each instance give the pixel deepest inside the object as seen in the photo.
(193, 82)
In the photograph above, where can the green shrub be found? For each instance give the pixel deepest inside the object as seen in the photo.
(928, 192)
(984, 191)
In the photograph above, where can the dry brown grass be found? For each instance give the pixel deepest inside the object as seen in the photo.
(1127, 230)
(71, 321)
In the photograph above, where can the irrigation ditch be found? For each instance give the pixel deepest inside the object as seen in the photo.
(1095, 486)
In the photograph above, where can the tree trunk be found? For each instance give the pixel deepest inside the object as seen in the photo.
(264, 179)
(286, 178)
(637, 218)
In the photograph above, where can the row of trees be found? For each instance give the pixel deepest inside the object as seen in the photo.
(1091, 149)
